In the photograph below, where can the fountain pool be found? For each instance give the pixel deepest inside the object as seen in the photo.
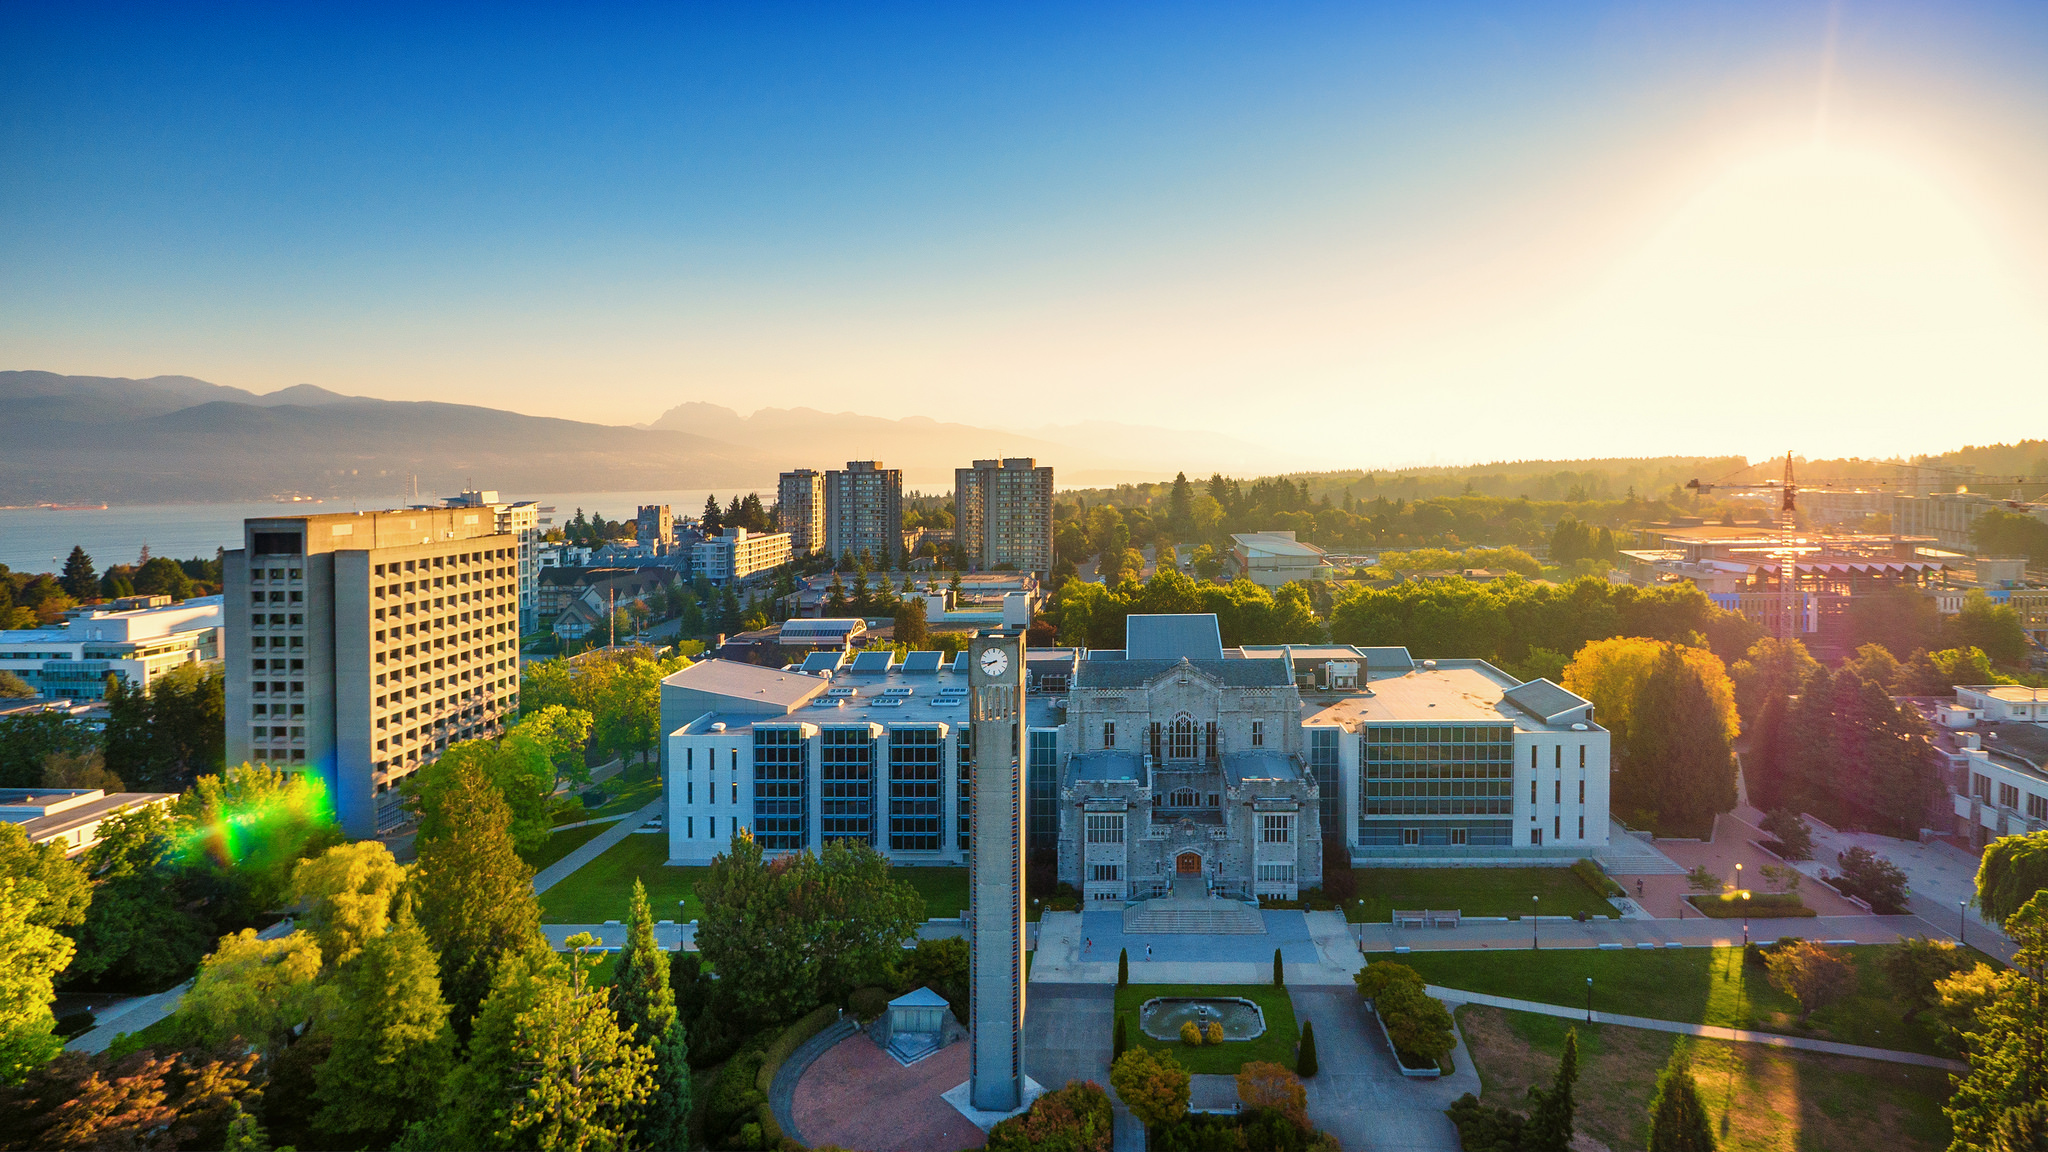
(1162, 1016)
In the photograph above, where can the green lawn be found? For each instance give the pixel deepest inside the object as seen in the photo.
(560, 844)
(603, 889)
(626, 792)
(1693, 985)
(1757, 1097)
(1276, 1045)
(1473, 891)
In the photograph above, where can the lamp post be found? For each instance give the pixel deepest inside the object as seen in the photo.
(1534, 944)
(1745, 920)
(1589, 999)
(1962, 925)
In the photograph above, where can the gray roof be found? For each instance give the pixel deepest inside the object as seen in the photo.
(1262, 764)
(747, 682)
(1545, 701)
(922, 661)
(1231, 673)
(1195, 635)
(1108, 764)
(919, 998)
(873, 660)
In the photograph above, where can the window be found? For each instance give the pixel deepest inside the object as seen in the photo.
(1582, 755)
(1582, 794)
(1411, 837)
(1983, 787)
(1258, 733)
(1276, 873)
(1105, 828)
(1582, 827)
(1109, 733)
(1535, 836)
(1557, 827)
(1182, 798)
(1532, 791)
(1276, 828)
(1107, 872)
(1532, 757)
(1459, 837)
(1181, 740)
(1557, 792)
(1557, 761)
(2008, 796)
(2037, 806)
(690, 827)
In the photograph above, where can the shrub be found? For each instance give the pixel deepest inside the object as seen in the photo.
(1418, 1024)
(1152, 1085)
(1076, 1118)
(1484, 1128)
(1811, 974)
(732, 1104)
(868, 1003)
(1377, 977)
(1598, 880)
(1123, 967)
(1279, 972)
(1261, 1084)
(1731, 905)
(1791, 837)
(1759, 954)
(1213, 1033)
(1260, 1129)
(1879, 882)
(1191, 1034)
(1305, 1062)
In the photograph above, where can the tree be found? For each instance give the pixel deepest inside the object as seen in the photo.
(1701, 878)
(1279, 973)
(471, 891)
(144, 1100)
(647, 1008)
(348, 892)
(911, 629)
(2005, 1039)
(713, 521)
(164, 736)
(1076, 1118)
(1121, 1041)
(1914, 966)
(1994, 629)
(62, 892)
(1263, 1084)
(80, 770)
(140, 931)
(1123, 967)
(79, 581)
(549, 1067)
(1678, 1120)
(255, 989)
(2013, 870)
(1674, 759)
(1550, 1113)
(1305, 1060)
(27, 740)
(1793, 834)
(31, 955)
(13, 687)
(1771, 669)
(243, 831)
(163, 576)
(392, 1043)
(1881, 883)
(1417, 1022)
(1810, 973)
(1152, 1085)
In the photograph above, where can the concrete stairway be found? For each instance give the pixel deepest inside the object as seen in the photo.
(1194, 917)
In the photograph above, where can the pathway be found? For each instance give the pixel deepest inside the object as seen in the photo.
(1731, 845)
(1360, 1096)
(1941, 882)
(139, 1013)
(555, 873)
(1693, 932)
(1710, 1031)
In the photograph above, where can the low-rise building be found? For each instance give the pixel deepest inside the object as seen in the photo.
(736, 554)
(1270, 559)
(70, 816)
(134, 639)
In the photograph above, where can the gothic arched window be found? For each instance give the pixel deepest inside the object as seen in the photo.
(1181, 739)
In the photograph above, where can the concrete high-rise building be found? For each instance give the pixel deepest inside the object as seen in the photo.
(1002, 514)
(864, 510)
(655, 528)
(995, 877)
(800, 509)
(523, 520)
(360, 644)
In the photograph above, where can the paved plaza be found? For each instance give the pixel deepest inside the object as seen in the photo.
(858, 1096)
(1360, 1096)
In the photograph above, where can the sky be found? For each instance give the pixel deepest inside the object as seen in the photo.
(1355, 235)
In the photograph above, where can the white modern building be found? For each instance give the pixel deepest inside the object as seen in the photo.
(1242, 766)
(1998, 770)
(71, 816)
(737, 553)
(134, 639)
(1270, 559)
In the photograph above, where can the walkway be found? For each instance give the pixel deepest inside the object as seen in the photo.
(139, 1013)
(1941, 882)
(1360, 1096)
(1694, 931)
(555, 873)
(1710, 1031)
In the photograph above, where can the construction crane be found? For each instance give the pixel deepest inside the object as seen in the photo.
(1788, 488)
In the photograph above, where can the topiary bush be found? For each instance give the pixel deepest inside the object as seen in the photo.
(1190, 1034)
(1213, 1033)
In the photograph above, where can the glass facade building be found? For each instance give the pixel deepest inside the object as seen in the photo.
(781, 771)
(914, 768)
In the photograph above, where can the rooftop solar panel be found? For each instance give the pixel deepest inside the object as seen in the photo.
(874, 661)
(923, 661)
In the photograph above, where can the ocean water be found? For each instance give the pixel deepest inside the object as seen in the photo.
(38, 539)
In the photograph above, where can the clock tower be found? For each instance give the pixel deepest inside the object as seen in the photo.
(995, 680)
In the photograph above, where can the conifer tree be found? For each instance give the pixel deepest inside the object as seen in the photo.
(79, 580)
(1305, 1063)
(646, 1005)
(1550, 1117)
(1123, 967)
(1279, 973)
(473, 895)
(1678, 1121)
(1122, 1040)
(392, 1041)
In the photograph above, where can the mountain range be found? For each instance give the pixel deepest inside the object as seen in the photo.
(173, 439)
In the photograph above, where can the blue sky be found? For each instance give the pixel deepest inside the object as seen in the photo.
(1302, 224)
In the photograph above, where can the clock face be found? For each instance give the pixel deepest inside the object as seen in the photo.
(995, 662)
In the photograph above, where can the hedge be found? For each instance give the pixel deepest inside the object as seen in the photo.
(1761, 905)
(1597, 879)
(779, 1050)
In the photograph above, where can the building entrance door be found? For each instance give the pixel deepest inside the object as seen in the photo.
(1188, 864)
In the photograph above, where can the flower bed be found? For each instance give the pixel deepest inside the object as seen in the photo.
(1760, 906)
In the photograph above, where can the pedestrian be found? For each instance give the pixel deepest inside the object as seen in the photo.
(1087, 945)
(1639, 889)
(1148, 953)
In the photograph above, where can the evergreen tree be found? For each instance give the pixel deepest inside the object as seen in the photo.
(646, 1005)
(79, 580)
(713, 520)
(1305, 1063)
(1279, 973)
(1122, 1039)
(473, 894)
(1678, 1121)
(1180, 508)
(392, 1041)
(1550, 1117)
(1123, 967)
(836, 603)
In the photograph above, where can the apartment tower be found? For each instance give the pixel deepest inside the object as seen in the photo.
(524, 521)
(800, 509)
(360, 644)
(864, 510)
(1002, 514)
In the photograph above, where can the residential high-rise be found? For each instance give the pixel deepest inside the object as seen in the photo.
(864, 510)
(359, 645)
(523, 520)
(800, 509)
(1002, 514)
